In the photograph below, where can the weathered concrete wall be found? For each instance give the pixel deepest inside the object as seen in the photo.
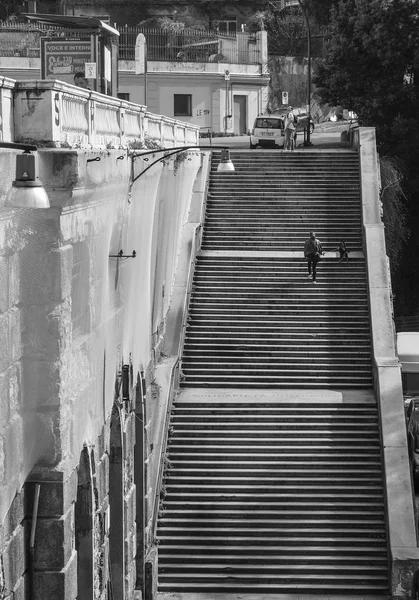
(71, 317)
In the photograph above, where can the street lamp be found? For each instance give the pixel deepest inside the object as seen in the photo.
(225, 165)
(27, 190)
(307, 142)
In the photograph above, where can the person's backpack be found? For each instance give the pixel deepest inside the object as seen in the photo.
(295, 120)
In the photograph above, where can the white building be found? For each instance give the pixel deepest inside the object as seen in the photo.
(219, 82)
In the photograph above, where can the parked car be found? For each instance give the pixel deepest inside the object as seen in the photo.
(302, 122)
(267, 132)
(412, 417)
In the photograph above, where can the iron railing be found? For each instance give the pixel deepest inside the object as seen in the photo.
(23, 39)
(190, 45)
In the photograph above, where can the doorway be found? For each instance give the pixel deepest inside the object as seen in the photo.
(240, 114)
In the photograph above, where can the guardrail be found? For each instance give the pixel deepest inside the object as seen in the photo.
(60, 114)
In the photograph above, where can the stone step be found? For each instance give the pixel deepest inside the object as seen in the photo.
(270, 540)
(198, 555)
(274, 372)
(281, 555)
(184, 414)
(267, 447)
(237, 333)
(269, 422)
(315, 442)
(278, 347)
(258, 409)
(216, 567)
(302, 506)
(337, 515)
(301, 292)
(272, 470)
(291, 175)
(198, 314)
(226, 219)
(271, 327)
(312, 382)
(274, 436)
(282, 592)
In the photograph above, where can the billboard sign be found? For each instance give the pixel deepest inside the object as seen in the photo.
(61, 58)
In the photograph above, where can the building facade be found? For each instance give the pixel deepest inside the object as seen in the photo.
(217, 82)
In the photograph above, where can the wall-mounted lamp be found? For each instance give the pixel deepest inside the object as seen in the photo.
(27, 190)
(225, 165)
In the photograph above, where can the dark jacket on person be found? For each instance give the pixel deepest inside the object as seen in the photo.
(312, 247)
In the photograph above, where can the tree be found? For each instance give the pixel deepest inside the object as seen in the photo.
(369, 58)
(319, 10)
(370, 66)
(287, 34)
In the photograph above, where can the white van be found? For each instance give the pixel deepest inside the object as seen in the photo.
(268, 132)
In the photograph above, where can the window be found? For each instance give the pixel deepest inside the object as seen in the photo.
(183, 105)
(267, 123)
(228, 26)
(123, 96)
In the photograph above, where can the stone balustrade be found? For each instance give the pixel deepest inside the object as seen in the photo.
(62, 115)
(6, 109)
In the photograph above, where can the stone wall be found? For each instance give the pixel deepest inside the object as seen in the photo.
(77, 327)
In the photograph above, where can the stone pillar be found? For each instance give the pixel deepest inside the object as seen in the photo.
(84, 511)
(55, 559)
(139, 482)
(116, 500)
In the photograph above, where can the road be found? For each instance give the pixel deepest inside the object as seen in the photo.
(321, 137)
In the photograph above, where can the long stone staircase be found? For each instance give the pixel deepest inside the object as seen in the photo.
(274, 478)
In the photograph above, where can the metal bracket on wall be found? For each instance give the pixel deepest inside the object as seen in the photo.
(122, 255)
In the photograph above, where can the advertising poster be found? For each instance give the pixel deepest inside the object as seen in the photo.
(61, 58)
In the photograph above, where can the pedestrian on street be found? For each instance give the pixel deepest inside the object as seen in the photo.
(289, 130)
(312, 251)
(343, 251)
(81, 81)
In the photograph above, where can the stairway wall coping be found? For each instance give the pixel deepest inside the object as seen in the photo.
(404, 553)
